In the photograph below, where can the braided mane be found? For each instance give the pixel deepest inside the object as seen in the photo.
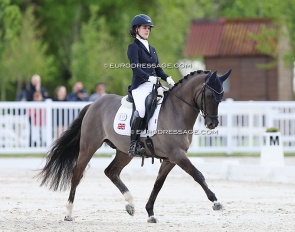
(190, 75)
(166, 93)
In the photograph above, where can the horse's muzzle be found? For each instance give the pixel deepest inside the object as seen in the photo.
(211, 123)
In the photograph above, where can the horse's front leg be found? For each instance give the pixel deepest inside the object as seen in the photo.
(164, 170)
(113, 173)
(183, 162)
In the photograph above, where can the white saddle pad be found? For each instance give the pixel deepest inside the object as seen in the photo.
(123, 116)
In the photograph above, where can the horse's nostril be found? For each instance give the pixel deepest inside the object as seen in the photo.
(211, 125)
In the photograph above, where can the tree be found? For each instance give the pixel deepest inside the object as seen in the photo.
(172, 22)
(61, 25)
(282, 13)
(93, 54)
(25, 55)
(61, 21)
(10, 23)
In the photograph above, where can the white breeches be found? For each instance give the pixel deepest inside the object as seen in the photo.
(139, 95)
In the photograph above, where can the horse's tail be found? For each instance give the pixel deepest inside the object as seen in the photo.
(62, 157)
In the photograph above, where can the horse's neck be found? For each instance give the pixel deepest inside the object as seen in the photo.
(181, 113)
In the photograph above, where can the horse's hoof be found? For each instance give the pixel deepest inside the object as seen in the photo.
(152, 219)
(68, 218)
(130, 209)
(217, 206)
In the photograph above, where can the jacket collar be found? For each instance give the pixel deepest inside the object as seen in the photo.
(141, 45)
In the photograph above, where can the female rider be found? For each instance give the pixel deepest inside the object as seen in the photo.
(146, 69)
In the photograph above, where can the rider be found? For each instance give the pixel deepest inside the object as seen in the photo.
(145, 66)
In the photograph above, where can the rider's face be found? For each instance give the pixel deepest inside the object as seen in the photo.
(144, 31)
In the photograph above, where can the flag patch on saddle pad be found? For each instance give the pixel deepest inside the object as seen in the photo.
(121, 126)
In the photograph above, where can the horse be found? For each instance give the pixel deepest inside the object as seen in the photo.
(199, 92)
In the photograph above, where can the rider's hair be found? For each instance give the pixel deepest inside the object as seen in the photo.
(133, 32)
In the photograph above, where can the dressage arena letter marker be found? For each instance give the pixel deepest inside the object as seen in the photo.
(273, 141)
(272, 150)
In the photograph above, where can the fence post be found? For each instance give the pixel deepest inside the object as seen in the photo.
(229, 125)
(48, 103)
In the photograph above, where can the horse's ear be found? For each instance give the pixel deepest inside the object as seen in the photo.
(211, 78)
(225, 76)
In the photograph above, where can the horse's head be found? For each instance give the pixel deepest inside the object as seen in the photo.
(209, 96)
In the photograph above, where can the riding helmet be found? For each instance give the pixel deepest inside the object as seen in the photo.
(141, 19)
(138, 20)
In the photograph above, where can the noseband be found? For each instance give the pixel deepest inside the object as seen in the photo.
(201, 109)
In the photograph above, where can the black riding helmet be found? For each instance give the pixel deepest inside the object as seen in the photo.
(138, 20)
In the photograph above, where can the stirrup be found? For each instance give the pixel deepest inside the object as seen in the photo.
(137, 149)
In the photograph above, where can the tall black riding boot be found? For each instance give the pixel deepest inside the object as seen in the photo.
(136, 147)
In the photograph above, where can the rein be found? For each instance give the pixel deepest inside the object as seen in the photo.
(201, 109)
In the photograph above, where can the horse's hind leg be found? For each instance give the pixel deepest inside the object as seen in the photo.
(183, 162)
(83, 159)
(165, 168)
(113, 173)
(77, 175)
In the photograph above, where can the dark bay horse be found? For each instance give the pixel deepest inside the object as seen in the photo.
(69, 155)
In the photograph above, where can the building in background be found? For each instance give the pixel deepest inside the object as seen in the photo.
(225, 44)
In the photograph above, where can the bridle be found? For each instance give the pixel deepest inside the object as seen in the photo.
(197, 108)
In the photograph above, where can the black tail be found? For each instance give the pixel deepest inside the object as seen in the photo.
(63, 155)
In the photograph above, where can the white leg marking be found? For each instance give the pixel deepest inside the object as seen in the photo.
(129, 198)
(217, 205)
(130, 206)
(70, 209)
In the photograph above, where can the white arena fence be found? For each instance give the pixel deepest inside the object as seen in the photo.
(31, 127)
